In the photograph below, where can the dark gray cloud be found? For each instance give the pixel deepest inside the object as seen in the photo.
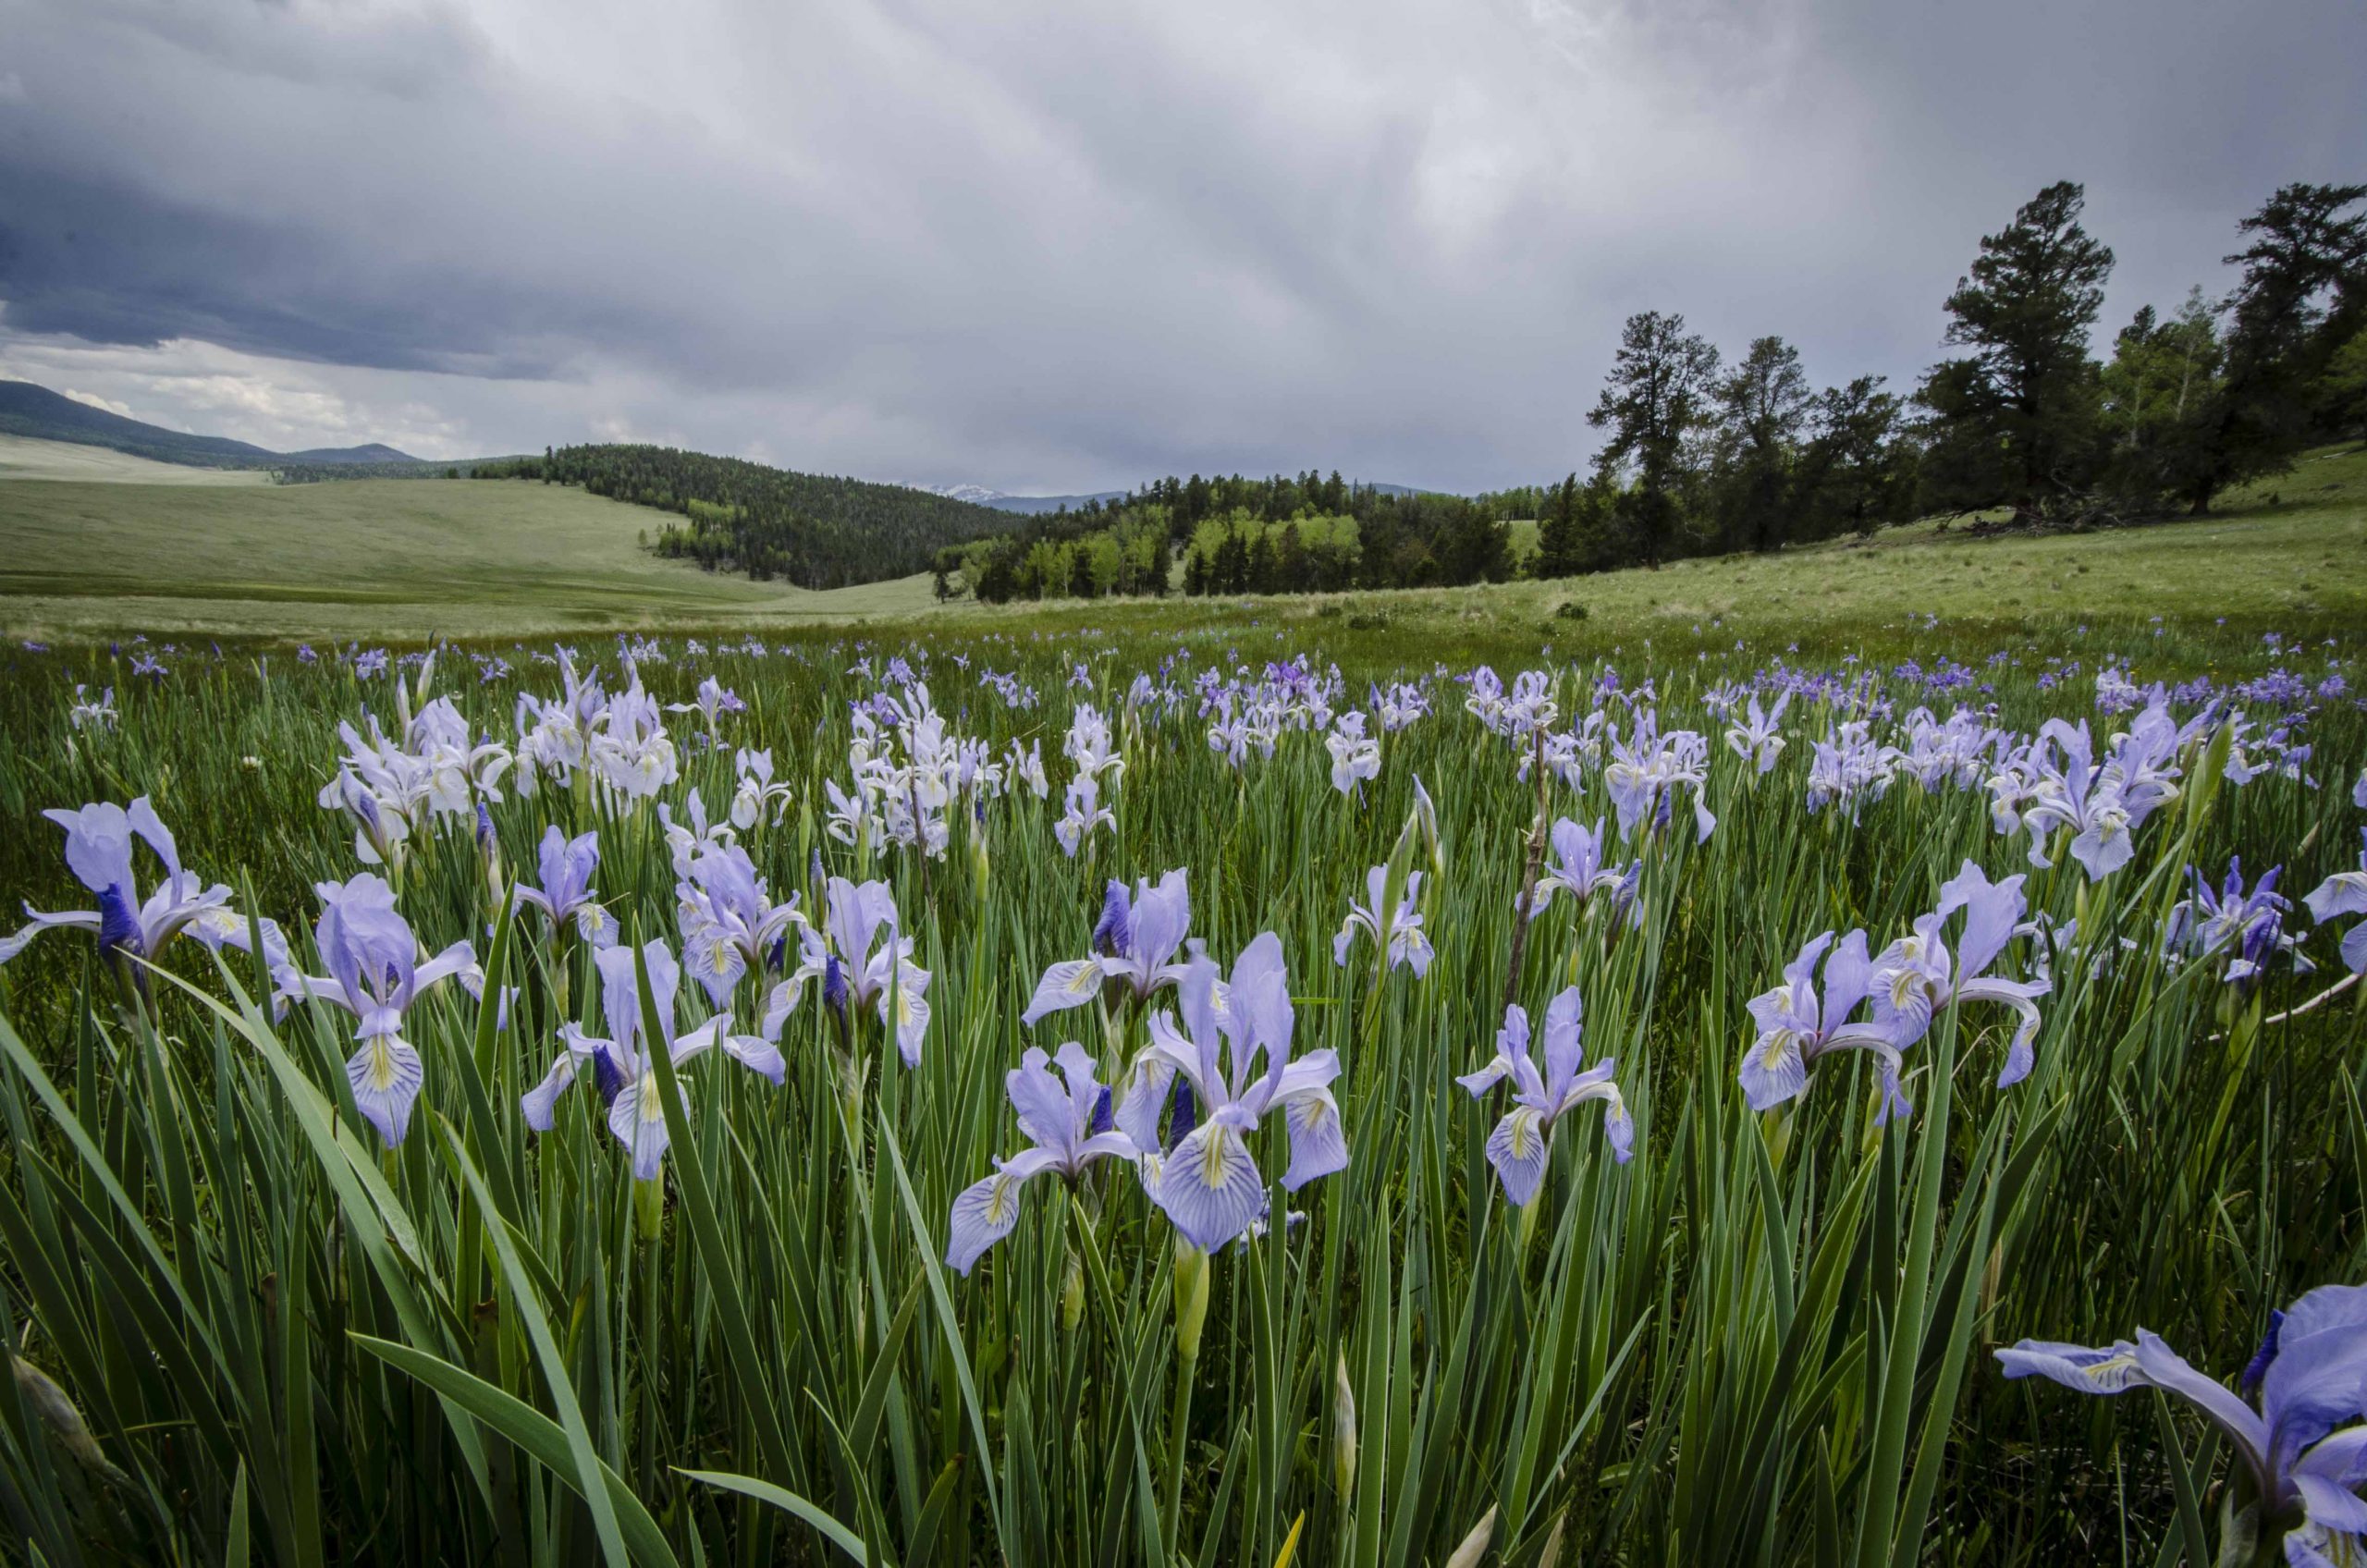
(1065, 245)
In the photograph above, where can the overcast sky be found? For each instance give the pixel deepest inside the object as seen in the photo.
(1074, 244)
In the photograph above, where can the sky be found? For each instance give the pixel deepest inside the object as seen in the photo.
(1071, 245)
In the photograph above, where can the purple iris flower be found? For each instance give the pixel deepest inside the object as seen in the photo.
(1401, 925)
(1798, 1025)
(98, 850)
(1065, 1118)
(621, 1066)
(2102, 806)
(2346, 893)
(566, 867)
(730, 926)
(2248, 927)
(1209, 1185)
(1523, 1140)
(1914, 980)
(1646, 769)
(855, 972)
(374, 973)
(1138, 936)
(1756, 739)
(2308, 1379)
(1580, 868)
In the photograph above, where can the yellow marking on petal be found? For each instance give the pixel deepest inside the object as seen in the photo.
(1001, 1199)
(1522, 1139)
(1084, 980)
(382, 1069)
(1212, 1164)
(2104, 1369)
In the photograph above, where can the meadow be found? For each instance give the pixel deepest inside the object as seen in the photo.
(459, 1269)
(119, 543)
(86, 554)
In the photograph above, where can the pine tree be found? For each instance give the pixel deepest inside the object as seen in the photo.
(1655, 397)
(2028, 394)
(2303, 296)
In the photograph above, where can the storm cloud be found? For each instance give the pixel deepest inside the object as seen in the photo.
(1073, 246)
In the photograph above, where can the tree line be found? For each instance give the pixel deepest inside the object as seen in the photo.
(1703, 456)
(811, 529)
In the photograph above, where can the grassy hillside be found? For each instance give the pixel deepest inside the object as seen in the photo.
(26, 457)
(389, 558)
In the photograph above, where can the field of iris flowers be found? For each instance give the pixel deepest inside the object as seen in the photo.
(1074, 1098)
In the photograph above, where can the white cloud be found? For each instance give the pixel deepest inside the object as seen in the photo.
(95, 400)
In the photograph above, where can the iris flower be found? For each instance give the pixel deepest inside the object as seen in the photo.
(2346, 893)
(1090, 747)
(1356, 756)
(757, 797)
(1086, 812)
(1138, 936)
(1067, 1120)
(1579, 868)
(1914, 980)
(2248, 927)
(856, 973)
(1523, 1140)
(566, 867)
(98, 850)
(374, 973)
(1208, 1184)
(694, 835)
(2304, 1466)
(1406, 943)
(1755, 738)
(730, 926)
(1646, 771)
(621, 1065)
(1798, 1025)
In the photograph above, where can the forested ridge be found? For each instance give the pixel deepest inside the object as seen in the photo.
(813, 530)
(1704, 455)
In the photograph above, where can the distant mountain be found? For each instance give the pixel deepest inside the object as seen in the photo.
(1032, 505)
(375, 452)
(979, 495)
(28, 410)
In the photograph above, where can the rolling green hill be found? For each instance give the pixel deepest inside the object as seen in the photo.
(389, 558)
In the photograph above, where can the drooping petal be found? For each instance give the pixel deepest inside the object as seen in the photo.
(386, 1074)
(1518, 1148)
(1210, 1187)
(984, 1213)
(1318, 1141)
(1774, 1069)
(758, 1055)
(1071, 983)
(909, 1006)
(86, 919)
(540, 1103)
(638, 1119)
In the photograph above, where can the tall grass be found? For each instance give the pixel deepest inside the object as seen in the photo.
(247, 1333)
